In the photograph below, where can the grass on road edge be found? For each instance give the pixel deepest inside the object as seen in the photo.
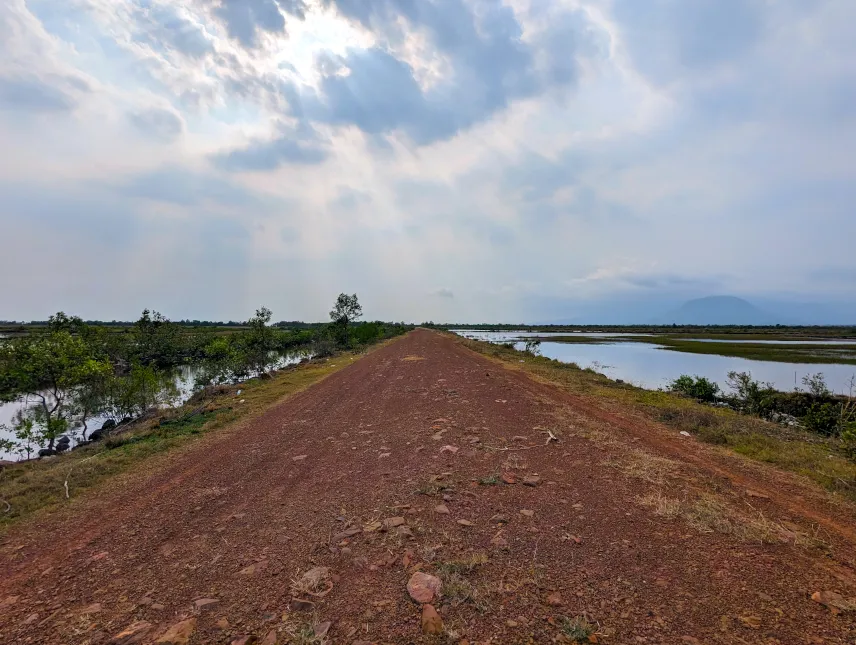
(810, 455)
(39, 484)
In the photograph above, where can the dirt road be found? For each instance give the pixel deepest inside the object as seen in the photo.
(424, 456)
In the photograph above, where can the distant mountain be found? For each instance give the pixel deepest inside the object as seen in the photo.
(719, 310)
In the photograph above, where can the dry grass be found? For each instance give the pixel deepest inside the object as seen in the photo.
(457, 587)
(661, 505)
(711, 514)
(413, 358)
(640, 464)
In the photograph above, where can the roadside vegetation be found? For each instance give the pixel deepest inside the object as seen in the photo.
(65, 375)
(811, 431)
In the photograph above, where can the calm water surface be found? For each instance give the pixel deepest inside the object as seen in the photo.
(185, 378)
(652, 366)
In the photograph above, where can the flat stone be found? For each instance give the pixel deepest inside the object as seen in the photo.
(270, 638)
(392, 522)
(442, 509)
(133, 634)
(531, 480)
(299, 457)
(555, 599)
(178, 634)
(94, 608)
(465, 523)
(423, 587)
(527, 512)
(204, 604)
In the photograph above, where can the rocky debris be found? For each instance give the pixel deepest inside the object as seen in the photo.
(108, 425)
(253, 568)
(405, 531)
(531, 480)
(509, 478)
(499, 518)
(94, 608)
(270, 638)
(465, 523)
(423, 587)
(833, 600)
(244, 640)
(133, 634)
(449, 449)
(431, 621)
(371, 527)
(46, 452)
(499, 542)
(178, 634)
(555, 599)
(321, 630)
(393, 522)
(442, 509)
(527, 512)
(301, 604)
(347, 533)
(205, 604)
(222, 623)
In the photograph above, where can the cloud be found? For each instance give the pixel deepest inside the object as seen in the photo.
(245, 19)
(33, 95)
(183, 187)
(443, 293)
(485, 66)
(166, 26)
(298, 146)
(162, 124)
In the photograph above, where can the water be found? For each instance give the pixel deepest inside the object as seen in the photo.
(184, 380)
(652, 366)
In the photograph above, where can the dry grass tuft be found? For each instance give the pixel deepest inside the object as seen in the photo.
(640, 464)
(660, 504)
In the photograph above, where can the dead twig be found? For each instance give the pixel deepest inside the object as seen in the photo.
(8, 506)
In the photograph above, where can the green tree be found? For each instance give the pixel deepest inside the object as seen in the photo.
(258, 341)
(346, 310)
(47, 369)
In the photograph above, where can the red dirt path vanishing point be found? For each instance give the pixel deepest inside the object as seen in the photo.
(399, 463)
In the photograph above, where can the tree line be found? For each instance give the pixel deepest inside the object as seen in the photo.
(69, 371)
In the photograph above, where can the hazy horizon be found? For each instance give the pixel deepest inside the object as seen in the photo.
(465, 160)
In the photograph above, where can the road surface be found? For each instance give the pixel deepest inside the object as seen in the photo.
(536, 509)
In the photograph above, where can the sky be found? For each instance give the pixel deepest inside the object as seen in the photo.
(447, 160)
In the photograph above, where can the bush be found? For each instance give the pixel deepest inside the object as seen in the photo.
(696, 387)
(323, 348)
(823, 418)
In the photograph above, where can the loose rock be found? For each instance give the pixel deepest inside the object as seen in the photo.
(531, 480)
(431, 621)
(205, 604)
(133, 634)
(423, 587)
(179, 634)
